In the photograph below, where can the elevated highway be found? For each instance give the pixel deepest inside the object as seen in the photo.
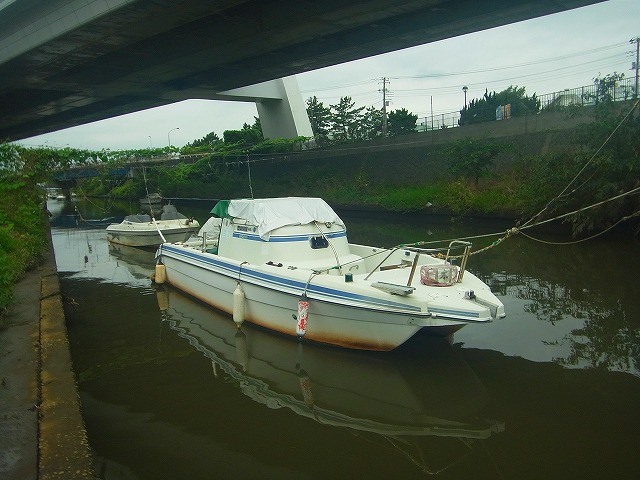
(69, 62)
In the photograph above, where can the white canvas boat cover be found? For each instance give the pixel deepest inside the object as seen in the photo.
(271, 213)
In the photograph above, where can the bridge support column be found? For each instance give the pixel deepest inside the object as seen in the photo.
(281, 109)
(286, 118)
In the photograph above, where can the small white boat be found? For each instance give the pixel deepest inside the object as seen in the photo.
(154, 199)
(143, 230)
(286, 264)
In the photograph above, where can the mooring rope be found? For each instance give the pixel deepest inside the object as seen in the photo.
(153, 218)
(528, 224)
(561, 194)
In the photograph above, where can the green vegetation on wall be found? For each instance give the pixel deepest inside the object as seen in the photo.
(22, 221)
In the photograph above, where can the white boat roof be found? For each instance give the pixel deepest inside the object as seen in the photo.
(271, 213)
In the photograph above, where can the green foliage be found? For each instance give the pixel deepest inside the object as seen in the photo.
(242, 139)
(605, 88)
(484, 109)
(208, 141)
(320, 119)
(345, 121)
(473, 158)
(22, 229)
(401, 122)
(410, 198)
(130, 188)
(370, 125)
(278, 145)
(609, 167)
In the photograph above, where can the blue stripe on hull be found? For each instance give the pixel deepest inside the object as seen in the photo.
(327, 294)
(285, 238)
(278, 283)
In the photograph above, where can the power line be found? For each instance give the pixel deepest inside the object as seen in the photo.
(487, 70)
(517, 65)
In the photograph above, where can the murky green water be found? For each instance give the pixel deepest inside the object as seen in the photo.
(170, 388)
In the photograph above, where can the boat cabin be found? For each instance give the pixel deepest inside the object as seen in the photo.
(304, 232)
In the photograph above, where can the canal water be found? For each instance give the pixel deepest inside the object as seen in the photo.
(171, 389)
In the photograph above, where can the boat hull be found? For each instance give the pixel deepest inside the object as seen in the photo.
(148, 237)
(337, 314)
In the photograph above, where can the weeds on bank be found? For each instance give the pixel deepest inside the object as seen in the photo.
(22, 225)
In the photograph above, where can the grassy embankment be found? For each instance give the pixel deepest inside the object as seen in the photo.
(500, 189)
(23, 238)
(589, 165)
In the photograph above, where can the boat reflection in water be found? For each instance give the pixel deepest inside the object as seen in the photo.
(139, 262)
(423, 388)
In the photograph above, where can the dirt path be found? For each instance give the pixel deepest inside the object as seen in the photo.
(19, 337)
(42, 432)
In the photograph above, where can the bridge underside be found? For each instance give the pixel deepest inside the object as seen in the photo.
(95, 59)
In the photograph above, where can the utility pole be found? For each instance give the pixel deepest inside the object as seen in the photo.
(636, 66)
(432, 113)
(384, 106)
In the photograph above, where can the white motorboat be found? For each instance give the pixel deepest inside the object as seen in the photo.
(154, 199)
(144, 231)
(286, 264)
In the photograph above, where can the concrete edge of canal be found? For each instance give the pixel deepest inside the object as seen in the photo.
(46, 436)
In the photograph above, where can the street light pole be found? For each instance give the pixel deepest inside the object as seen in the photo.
(150, 144)
(464, 89)
(637, 42)
(169, 135)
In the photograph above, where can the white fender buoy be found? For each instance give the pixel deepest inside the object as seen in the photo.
(238, 305)
(303, 316)
(161, 274)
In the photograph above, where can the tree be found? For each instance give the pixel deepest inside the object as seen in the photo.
(605, 88)
(256, 125)
(370, 124)
(320, 119)
(473, 158)
(345, 120)
(484, 109)
(209, 140)
(401, 122)
(247, 137)
(611, 166)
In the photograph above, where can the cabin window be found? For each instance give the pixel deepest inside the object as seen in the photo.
(318, 242)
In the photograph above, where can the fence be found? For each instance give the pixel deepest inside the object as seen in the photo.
(581, 96)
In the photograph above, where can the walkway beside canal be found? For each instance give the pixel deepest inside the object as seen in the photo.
(43, 434)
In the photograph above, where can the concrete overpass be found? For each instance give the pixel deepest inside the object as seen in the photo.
(69, 62)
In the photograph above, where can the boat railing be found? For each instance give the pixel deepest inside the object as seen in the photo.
(447, 253)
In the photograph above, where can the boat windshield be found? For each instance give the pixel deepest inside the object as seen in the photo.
(169, 212)
(139, 218)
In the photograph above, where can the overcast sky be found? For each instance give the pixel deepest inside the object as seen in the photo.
(545, 55)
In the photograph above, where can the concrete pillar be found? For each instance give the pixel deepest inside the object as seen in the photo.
(285, 118)
(281, 109)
